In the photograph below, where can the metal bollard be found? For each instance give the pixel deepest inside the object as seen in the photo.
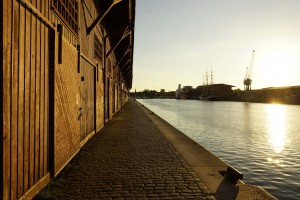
(232, 175)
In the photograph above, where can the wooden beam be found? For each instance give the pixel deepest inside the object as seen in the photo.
(127, 77)
(88, 60)
(116, 29)
(126, 52)
(128, 61)
(125, 34)
(38, 186)
(126, 73)
(130, 19)
(101, 17)
(29, 5)
(127, 70)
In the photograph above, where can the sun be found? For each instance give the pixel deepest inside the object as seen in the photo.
(277, 67)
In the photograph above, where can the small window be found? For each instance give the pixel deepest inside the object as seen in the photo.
(98, 49)
(67, 10)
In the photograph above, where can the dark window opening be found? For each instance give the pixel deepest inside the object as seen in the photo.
(67, 10)
(98, 49)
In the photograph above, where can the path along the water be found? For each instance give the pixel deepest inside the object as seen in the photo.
(128, 159)
(137, 155)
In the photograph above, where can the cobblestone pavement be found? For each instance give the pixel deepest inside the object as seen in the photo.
(128, 159)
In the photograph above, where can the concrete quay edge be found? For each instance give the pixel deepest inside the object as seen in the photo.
(206, 165)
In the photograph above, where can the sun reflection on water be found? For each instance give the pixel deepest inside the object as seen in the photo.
(277, 130)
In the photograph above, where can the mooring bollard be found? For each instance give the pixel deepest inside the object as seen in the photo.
(232, 175)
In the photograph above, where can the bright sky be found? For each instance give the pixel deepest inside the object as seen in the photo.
(177, 40)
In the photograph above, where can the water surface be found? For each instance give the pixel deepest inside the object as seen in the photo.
(260, 140)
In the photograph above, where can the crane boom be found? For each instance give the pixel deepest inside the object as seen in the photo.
(248, 76)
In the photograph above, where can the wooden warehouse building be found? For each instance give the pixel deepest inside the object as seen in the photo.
(66, 69)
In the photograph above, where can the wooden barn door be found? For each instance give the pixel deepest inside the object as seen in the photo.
(113, 98)
(25, 100)
(106, 96)
(87, 99)
(66, 103)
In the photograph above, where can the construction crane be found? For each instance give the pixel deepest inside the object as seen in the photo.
(248, 77)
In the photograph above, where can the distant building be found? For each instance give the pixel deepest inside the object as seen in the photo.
(208, 92)
(178, 92)
(287, 95)
(216, 90)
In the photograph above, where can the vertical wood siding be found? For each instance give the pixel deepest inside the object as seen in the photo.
(25, 95)
(111, 97)
(27, 140)
(7, 16)
(87, 98)
(106, 97)
(99, 101)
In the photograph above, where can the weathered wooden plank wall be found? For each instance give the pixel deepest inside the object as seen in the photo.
(106, 102)
(7, 17)
(109, 97)
(99, 100)
(25, 92)
(99, 86)
(67, 125)
(117, 97)
(30, 39)
(87, 96)
(89, 12)
(116, 70)
(1, 99)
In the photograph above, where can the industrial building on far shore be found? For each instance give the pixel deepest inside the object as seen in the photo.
(224, 92)
(285, 95)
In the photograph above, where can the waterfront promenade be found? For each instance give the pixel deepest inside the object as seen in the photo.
(128, 159)
(137, 155)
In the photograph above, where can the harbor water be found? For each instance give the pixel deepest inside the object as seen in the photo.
(260, 140)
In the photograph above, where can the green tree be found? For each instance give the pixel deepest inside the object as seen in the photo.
(162, 92)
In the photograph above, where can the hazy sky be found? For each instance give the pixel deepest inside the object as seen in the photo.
(177, 40)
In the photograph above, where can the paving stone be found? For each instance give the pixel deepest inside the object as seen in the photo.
(128, 159)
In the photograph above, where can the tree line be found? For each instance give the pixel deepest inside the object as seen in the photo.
(146, 94)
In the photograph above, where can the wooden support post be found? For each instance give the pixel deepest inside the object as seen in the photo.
(60, 34)
(104, 79)
(52, 41)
